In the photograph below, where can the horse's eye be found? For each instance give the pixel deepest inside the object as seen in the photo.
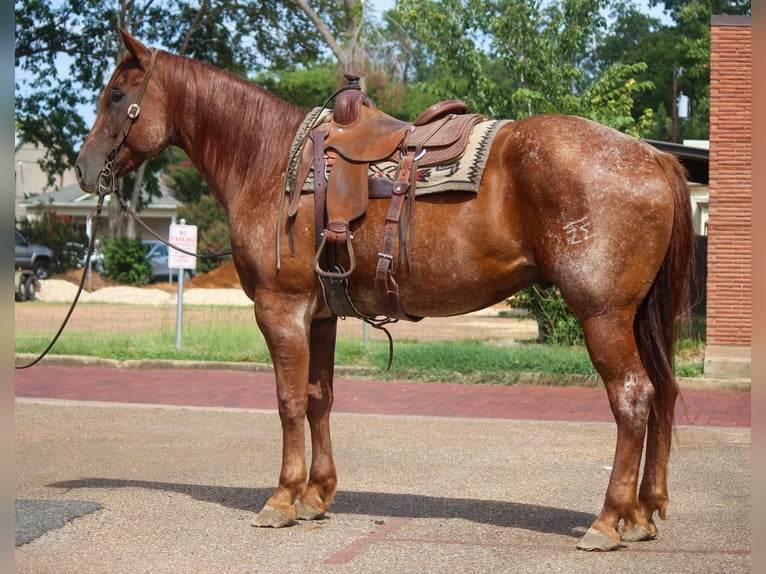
(115, 96)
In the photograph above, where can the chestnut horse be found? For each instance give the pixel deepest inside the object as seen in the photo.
(564, 200)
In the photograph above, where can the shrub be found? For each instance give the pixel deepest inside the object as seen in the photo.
(125, 260)
(555, 321)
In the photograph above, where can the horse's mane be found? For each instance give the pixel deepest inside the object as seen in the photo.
(239, 120)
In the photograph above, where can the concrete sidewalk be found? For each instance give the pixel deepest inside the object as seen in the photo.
(169, 489)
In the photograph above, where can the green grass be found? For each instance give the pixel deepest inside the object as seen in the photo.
(215, 343)
(468, 361)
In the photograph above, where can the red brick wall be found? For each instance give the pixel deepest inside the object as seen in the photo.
(729, 245)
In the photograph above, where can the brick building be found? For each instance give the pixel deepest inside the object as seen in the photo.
(729, 285)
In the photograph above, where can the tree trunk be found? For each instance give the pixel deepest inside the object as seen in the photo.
(115, 216)
(135, 197)
(352, 56)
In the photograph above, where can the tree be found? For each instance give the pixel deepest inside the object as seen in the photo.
(517, 58)
(386, 58)
(682, 48)
(677, 7)
(64, 50)
(307, 86)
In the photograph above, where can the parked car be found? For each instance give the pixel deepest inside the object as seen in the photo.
(158, 255)
(38, 258)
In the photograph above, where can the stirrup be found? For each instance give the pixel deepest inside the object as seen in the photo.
(334, 274)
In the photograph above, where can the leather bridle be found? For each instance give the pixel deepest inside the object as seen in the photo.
(107, 182)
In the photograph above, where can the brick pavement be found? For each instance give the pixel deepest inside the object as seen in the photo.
(256, 390)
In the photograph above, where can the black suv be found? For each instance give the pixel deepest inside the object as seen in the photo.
(38, 258)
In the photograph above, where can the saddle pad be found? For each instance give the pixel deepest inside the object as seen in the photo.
(464, 174)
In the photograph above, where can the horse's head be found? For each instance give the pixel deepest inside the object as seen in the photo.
(131, 119)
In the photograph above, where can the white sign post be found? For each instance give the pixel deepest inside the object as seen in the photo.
(184, 237)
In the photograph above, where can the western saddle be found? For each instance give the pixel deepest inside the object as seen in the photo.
(340, 150)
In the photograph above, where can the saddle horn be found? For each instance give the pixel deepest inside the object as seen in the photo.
(348, 101)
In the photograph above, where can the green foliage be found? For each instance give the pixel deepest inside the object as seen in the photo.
(690, 350)
(610, 100)
(183, 178)
(58, 232)
(517, 58)
(636, 37)
(125, 260)
(556, 323)
(305, 87)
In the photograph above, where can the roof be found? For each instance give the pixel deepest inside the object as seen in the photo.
(71, 196)
(694, 159)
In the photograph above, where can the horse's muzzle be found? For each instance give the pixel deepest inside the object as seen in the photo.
(87, 184)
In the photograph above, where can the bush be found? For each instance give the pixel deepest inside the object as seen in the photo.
(555, 321)
(125, 260)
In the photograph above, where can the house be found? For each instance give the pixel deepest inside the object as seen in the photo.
(30, 180)
(67, 199)
(73, 202)
(694, 156)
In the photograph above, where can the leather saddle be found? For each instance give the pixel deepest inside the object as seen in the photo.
(341, 150)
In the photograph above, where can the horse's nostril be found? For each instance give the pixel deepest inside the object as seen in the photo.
(78, 173)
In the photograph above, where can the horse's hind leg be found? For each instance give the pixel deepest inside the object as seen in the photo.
(653, 493)
(612, 347)
(322, 477)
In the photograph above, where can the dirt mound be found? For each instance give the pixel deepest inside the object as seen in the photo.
(222, 277)
(97, 281)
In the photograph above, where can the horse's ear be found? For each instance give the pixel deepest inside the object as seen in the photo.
(136, 48)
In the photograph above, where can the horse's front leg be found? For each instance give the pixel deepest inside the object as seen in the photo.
(283, 320)
(320, 490)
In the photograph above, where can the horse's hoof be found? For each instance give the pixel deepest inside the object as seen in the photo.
(307, 511)
(638, 533)
(596, 541)
(268, 517)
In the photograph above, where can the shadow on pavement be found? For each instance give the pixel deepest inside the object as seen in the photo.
(537, 518)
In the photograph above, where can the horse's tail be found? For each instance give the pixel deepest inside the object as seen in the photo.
(668, 298)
